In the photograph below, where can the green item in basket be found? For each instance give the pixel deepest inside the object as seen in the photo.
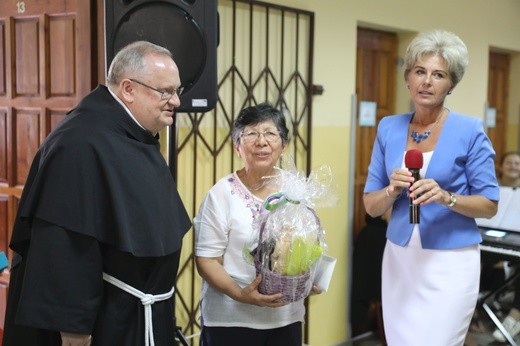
(302, 255)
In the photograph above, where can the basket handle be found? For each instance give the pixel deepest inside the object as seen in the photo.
(277, 199)
(274, 201)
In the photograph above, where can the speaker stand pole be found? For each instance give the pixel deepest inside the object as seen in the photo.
(172, 150)
(180, 336)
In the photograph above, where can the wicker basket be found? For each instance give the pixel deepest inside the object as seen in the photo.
(293, 287)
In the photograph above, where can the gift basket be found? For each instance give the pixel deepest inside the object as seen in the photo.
(288, 239)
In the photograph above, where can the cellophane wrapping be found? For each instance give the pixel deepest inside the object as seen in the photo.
(289, 239)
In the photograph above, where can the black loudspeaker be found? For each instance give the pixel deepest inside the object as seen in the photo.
(188, 28)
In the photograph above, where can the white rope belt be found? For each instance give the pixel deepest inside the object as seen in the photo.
(146, 299)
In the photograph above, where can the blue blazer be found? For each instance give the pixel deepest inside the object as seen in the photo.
(462, 163)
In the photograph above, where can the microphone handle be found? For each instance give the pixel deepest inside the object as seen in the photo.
(414, 208)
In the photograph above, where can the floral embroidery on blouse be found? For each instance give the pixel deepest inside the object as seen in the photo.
(245, 195)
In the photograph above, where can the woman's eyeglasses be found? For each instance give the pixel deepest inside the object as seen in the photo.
(253, 136)
(165, 94)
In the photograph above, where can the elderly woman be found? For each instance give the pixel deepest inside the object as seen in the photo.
(430, 274)
(233, 311)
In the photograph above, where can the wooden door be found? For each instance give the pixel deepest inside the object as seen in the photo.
(45, 68)
(498, 86)
(375, 80)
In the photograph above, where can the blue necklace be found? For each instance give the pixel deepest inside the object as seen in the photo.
(419, 137)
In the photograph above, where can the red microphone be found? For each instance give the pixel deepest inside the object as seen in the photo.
(413, 160)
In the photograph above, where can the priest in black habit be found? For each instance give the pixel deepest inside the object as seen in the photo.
(99, 228)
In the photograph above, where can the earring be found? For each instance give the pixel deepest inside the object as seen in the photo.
(449, 92)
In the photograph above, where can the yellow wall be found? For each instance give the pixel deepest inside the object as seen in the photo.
(482, 24)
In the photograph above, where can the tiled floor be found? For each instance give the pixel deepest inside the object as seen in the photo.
(473, 339)
(482, 337)
(485, 337)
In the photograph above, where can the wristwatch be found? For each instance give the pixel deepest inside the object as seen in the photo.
(453, 200)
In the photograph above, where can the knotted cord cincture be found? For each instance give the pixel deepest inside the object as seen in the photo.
(146, 299)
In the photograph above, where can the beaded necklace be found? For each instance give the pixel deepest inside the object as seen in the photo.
(419, 137)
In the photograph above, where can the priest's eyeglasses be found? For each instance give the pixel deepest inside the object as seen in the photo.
(252, 136)
(165, 94)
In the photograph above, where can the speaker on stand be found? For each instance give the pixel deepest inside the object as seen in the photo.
(188, 28)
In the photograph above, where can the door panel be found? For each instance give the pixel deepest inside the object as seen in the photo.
(25, 57)
(375, 80)
(26, 141)
(498, 86)
(61, 57)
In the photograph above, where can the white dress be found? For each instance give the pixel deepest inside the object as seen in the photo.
(428, 295)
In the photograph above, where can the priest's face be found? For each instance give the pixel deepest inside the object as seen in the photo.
(156, 94)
